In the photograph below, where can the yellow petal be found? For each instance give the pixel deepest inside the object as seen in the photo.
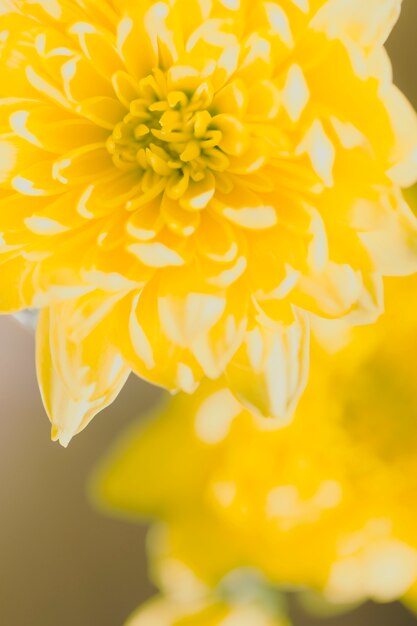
(39, 127)
(232, 99)
(156, 254)
(98, 48)
(38, 180)
(87, 163)
(179, 220)
(214, 347)
(145, 347)
(16, 283)
(81, 82)
(404, 122)
(78, 375)
(132, 29)
(317, 144)
(295, 94)
(217, 239)
(234, 134)
(244, 208)
(264, 101)
(199, 194)
(367, 23)
(336, 291)
(145, 223)
(106, 112)
(269, 372)
(393, 246)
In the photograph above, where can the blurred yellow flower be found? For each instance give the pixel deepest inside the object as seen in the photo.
(170, 612)
(183, 181)
(328, 502)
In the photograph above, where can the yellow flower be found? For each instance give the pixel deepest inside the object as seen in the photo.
(183, 182)
(328, 502)
(242, 598)
(171, 612)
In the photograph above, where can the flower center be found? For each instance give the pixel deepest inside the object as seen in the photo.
(168, 132)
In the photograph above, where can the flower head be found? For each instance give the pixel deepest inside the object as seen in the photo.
(327, 502)
(182, 182)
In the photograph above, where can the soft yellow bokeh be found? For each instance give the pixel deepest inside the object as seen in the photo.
(328, 502)
(170, 612)
(183, 182)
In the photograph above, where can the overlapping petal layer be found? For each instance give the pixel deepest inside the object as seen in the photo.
(328, 502)
(213, 172)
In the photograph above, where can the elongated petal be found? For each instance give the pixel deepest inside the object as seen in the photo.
(79, 371)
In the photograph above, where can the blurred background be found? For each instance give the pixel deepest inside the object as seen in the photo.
(62, 563)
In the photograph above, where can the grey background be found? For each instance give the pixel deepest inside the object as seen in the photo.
(62, 563)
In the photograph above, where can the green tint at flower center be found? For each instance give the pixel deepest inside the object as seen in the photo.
(169, 133)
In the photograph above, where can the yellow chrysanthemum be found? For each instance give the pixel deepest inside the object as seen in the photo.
(171, 612)
(328, 502)
(183, 181)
